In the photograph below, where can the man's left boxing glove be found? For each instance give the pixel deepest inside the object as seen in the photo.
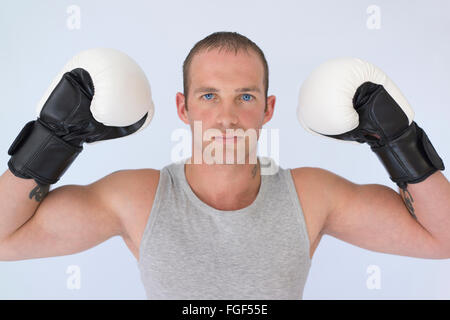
(100, 94)
(353, 100)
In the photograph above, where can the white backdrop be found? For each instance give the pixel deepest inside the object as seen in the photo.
(407, 39)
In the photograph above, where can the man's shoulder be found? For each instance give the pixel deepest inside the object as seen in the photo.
(128, 194)
(314, 175)
(309, 181)
(128, 185)
(133, 179)
(320, 182)
(319, 191)
(310, 174)
(140, 174)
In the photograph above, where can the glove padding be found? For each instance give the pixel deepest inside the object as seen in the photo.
(102, 94)
(353, 100)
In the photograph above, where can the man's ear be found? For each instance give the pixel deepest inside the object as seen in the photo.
(181, 107)
(269, 109)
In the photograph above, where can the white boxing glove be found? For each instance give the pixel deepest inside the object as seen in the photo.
(325, 103)
(352, 100)
(100, 94)
(122, 91)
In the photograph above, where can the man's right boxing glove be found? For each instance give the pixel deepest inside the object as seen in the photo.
(100, 94)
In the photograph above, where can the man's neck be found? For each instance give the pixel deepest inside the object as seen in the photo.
(225, 187)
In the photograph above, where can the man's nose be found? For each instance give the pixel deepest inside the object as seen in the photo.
(227, 115)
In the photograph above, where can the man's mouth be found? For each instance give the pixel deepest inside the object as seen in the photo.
(228, 138)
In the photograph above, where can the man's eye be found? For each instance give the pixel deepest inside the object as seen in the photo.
(247, 97)
(208, 96)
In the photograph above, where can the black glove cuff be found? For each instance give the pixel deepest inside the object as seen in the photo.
(37, 153)
(409, 158)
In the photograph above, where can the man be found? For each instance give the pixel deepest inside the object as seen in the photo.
(223, 231)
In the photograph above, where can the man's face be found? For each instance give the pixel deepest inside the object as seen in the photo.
(226, 91)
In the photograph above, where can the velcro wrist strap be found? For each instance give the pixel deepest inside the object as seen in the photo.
(409, 158)
(37, 153)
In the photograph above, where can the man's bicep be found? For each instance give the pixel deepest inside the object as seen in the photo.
(374, 217)
(69, 220)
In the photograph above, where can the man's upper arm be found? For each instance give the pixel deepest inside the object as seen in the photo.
(70, 219)
(374, 217)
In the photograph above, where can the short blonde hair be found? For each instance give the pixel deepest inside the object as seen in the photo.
(227, 41)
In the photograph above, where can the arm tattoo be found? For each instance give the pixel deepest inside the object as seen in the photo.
(408, 199)
(254, 171)
(39, 192)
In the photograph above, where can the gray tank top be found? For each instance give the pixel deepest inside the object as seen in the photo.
(190, 250)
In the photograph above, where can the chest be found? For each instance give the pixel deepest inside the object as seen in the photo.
(224, 260)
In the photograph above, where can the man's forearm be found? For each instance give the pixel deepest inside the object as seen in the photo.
(429, 202)
(19, 200)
